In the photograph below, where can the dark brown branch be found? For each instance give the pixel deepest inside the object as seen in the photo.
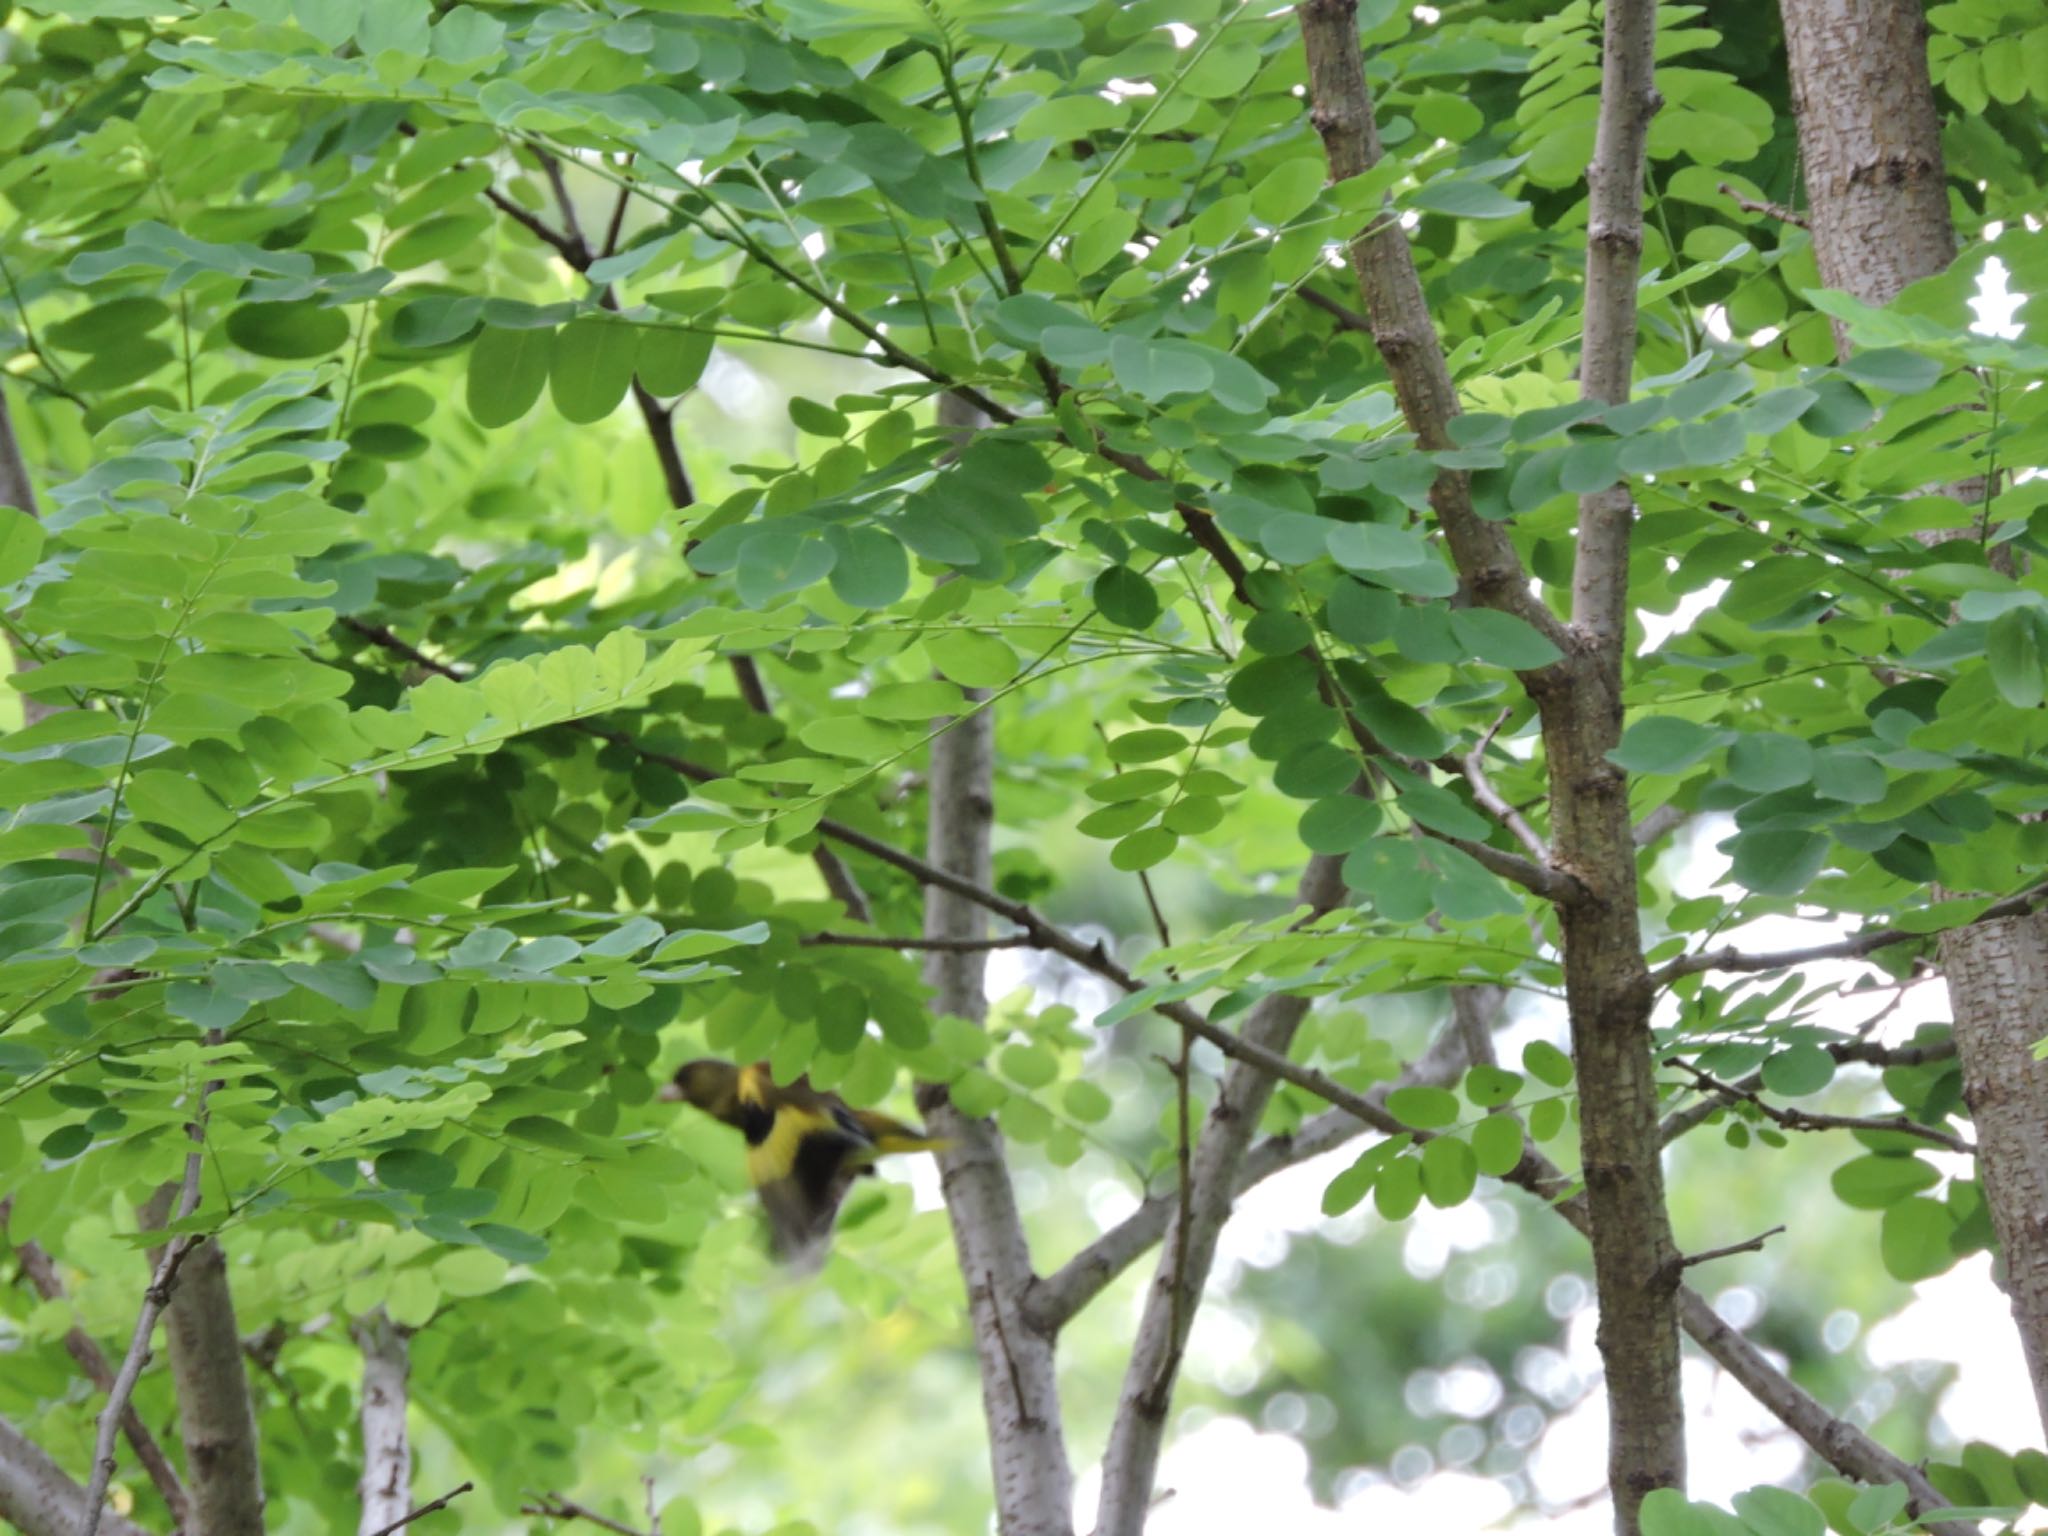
(424, 1510)
(1807, 1120)
(42, 1274)
(1857, 947)
(1755, 1244)
(1344, 314)
(898, 941)
(552, 1506)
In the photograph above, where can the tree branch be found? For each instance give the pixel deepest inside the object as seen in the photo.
(155, 1297)
(386, 1482)
(1806, 1120)
(38, 1499)
(424, 1510)
(1131, 1461)
(1776, 211)
(899, 941)
(552, 1506)
(1708, 1255)
(1464, 1041)
(1856, 947)
(42, 1274)
(1341, 110)
(1493, 802)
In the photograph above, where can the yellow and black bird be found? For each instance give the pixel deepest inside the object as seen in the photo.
(804, 1148)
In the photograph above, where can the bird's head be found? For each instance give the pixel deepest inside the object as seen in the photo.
(708, 1083)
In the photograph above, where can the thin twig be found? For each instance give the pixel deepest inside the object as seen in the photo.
(1777, 211)
(425, 1509)
(1806, 1120)
(1344, 314)
(1856, 947)
(1686, 1261)
(1492, 801)
(1665, 818)
(900, 941)
(552, 1506)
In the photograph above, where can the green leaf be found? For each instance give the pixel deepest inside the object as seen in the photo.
(1775, 863)
(870, 568)
(1488, 1086)
(2013, 647)
(1339, 823)
(1142, 850)
(591, 368)
(1502, 639)
(1427, 1109)
(973, 660)
(1288, 189)
(1086, 1102)
(1398, 1189)
(1767, 761)
(21, 545)
(1497, 1144)
(1798, 1070)
(414, 1172)
(1914, 1239)
(1892, 368)
(1664, 744)
(815, 419)
(1877, 1180)
(1547, 1064)
(1125, 597)
(1771, 1511)
(1449, 1171)
(507, 370)
(671, 360)
(1147, 746)
(287, 331)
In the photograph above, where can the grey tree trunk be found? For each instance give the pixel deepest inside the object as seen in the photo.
(1870, 141)
(216, 1423)
(386, 1482)
(1034, 1484)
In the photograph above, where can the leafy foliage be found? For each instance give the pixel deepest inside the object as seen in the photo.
(383, 764)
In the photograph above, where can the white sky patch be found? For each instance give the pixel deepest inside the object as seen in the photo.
(1183, 35)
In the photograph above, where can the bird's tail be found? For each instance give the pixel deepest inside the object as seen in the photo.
(891, 1135)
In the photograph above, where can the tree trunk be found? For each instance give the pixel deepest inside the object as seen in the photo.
(1870, 140)
(386, 1481)
(1870, 145)
(216, 1423)
(1034, 1484)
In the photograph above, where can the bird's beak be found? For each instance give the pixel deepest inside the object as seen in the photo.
(671, 1092)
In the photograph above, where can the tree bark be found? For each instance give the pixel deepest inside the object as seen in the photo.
(1132, 1459)
(216, 1422)
(1877, 186)
(39, 1499)
(1034, 1484)
(1870, 145)
(1579, 699)
(386, 1481)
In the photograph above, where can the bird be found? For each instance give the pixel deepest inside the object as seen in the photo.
(804, 1147)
